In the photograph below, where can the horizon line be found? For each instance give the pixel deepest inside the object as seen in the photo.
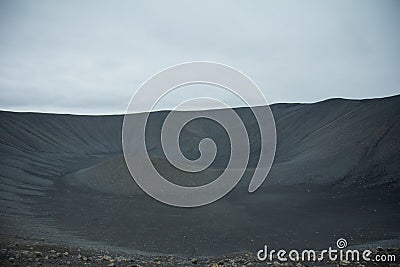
(195, 110)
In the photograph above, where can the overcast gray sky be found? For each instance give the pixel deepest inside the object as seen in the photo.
(89, 57)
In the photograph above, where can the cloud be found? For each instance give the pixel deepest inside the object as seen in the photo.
(89, 57)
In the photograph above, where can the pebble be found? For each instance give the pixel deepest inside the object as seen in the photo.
(344, 263)
(106, 258)
(25, 252)
(38, 253)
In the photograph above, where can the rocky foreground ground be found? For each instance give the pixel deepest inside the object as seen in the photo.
(41, 254)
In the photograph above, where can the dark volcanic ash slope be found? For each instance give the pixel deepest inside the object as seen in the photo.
(341, 143)
(331, 141)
